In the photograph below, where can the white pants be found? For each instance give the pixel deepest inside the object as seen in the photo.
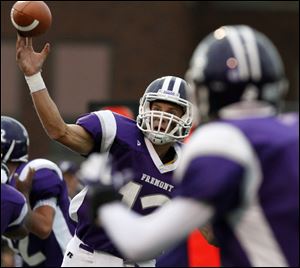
(76, 256)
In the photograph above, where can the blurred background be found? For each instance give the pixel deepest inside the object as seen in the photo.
(107, 52)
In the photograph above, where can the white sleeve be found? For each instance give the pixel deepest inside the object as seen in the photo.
(142, 238)
(51, 202)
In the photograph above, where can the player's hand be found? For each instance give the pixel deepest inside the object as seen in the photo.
(97, 169)
(29, 61)
(100, 195)
(25, 186)
(103, 184)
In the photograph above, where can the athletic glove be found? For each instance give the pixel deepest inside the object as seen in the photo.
(103, 186)
(100, 195)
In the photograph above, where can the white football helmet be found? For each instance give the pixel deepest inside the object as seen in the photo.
(169, 89)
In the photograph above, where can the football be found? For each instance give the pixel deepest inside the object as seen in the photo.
(31, 18)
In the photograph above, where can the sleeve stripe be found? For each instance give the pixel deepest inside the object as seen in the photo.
(51, 202)
(109, 129)
(40, 164)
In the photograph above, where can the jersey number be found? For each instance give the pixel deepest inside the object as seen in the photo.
(131, 190)
(35, 258)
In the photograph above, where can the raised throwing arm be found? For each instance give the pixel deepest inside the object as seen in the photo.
(30, 63)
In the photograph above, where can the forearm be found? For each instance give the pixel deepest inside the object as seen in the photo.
(18, 233)
(142, 238)
(49, 114)
(38, 224)
(71, 135)
(30, 63)
(39, 221)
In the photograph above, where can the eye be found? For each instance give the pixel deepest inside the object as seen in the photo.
(175, 112)
(156, 108)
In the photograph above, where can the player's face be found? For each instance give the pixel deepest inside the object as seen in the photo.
(167, 107)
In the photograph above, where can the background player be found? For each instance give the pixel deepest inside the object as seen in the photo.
(14, 209)
(69, 170)
(49, 223)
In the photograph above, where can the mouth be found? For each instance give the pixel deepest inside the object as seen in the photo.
(161, 129)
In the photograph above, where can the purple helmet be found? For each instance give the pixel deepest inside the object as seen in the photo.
(232, 64)
(14, 140)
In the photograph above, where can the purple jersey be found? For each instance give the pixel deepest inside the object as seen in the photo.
(13, 208)
(150, 186)
(48, 188)
(248, 169)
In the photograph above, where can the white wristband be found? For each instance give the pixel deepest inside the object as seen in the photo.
(35, 82)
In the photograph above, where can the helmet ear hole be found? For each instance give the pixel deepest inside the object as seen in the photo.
(275, 91)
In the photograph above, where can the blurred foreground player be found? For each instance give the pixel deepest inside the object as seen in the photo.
(199, 249)
(241, 171)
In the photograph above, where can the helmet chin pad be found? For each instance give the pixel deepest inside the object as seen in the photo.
(159, 139)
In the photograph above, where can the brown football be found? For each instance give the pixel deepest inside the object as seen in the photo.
(31, 18)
